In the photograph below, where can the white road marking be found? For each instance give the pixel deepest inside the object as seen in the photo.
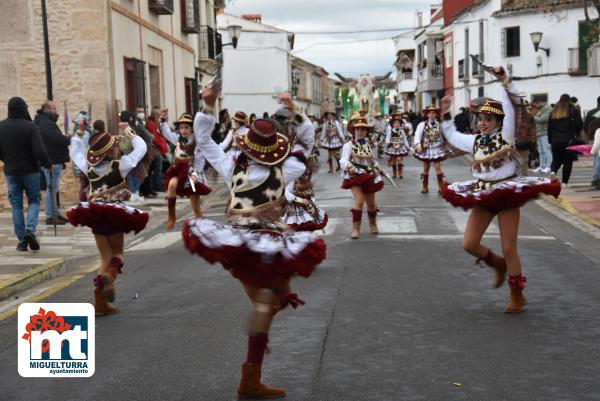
(454, 237)
(159, 241)
(460, 221)
(397, 225)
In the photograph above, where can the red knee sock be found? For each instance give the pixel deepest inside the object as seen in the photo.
(171, 202)
(257, 345)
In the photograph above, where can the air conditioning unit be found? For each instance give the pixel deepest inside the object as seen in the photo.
(594, 60)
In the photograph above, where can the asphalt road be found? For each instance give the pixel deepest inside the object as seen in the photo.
(405, 316)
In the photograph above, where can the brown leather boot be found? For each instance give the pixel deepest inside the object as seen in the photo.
(373, 222)
(425, 181)
(172, 217)
(517, 300)
(251, 387)
(440, 180)
(356, 220)
(498, 263)
(101, 306)
(401, 171)
(330, 163)
(338, 168)
(395, 171)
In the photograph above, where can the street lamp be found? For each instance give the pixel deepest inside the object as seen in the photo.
(536, 38)
(234, 32)
(49, 94)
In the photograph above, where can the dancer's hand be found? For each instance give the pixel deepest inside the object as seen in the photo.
(419, 149)
(209, 95)
(446, 104)
(500, 74)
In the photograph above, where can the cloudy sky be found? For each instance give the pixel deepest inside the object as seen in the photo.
(365, 53)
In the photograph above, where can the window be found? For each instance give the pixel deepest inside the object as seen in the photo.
(448, 53)
(154, 78)
(190, 16)
(511, 42)
(135, 84)
(480, 92)
(190, 90)
(467, 58)
(461, 69)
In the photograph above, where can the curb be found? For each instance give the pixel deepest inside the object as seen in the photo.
(566, 205)
(31, 277)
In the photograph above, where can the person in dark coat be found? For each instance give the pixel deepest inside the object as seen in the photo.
(462, 122)
(23, 152)
(564, 125)
(57, 148)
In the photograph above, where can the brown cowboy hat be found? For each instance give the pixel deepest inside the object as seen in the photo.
(430, 109)
(263, 144)
(492, 107)
(240, 117)
(329, 112)
(359, 122)
(100, 146)
(184, 119)
(397, 116)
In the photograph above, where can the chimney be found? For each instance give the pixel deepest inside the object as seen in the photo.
(253, 17)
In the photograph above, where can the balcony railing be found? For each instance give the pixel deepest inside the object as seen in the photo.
(190, 16)
(206, 43)
(575, 65)
(404, 75)
(161, 6)
(437, 72)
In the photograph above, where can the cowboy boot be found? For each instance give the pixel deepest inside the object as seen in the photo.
(338, 168)
(517, 300)
(172, 217)
(425, 181)
(394, 171)
(330, 163)
(108, 279)
(496, 262)
(440, 180)
(251, 387)
(356, 220)
(373, 222)
(101, 306)
(401, 170)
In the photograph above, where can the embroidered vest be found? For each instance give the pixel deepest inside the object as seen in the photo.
(396, 137)
(362, 155)
(491, 152)
(259, 204)
(331, 130)
(184, 151)
(108, 186)
(432, 132)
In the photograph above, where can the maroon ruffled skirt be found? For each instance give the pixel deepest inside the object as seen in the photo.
(181, 170)
(108, 218)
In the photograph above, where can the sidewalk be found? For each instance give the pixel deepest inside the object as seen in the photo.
(72, 247)
(579, 198)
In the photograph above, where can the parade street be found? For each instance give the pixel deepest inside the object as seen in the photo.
(402, 316)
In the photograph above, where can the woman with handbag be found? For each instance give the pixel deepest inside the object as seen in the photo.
(564, 126)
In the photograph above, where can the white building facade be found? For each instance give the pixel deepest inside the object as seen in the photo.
(258, 70)
(406, 72)
(502, 37)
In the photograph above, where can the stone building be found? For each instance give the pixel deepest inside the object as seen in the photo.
(112, 54)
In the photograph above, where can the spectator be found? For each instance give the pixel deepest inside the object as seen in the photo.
(22, 151)
(222, 127)
(252, 119)
(152, 153)
(525, 139)
(564, 126)
(593, 114)
(57, 149)
(595, 128)
(161, 148)
(541, 112)
(81, 128)
(462, 122)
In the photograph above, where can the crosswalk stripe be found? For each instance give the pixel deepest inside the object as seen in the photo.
(460, 219)
(455, 237)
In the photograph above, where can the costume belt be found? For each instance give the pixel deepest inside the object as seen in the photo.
(483, 185)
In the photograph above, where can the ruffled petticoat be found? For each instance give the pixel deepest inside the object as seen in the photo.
(299, 219)
(435, 152)
(181, 170)
(393, 149)
(259, 258)
(108, 218)
(333, 144)
(508, 194)
(369, 183)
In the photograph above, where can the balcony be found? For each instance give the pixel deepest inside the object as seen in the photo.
(476, 68)
(577, 62)
(190, 16)
(206, 40)
(161, 7)
(407, 82)
(406, 75)
(436, 72)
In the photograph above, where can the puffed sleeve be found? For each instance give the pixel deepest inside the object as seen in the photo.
(292, 170)
(346, 155)
(130, 160)
(457, 139)
(203, 127)
(77, 153)
(169, 135)
(419, 133)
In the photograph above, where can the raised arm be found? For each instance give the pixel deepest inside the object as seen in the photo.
(130, 160)
(508, 125)
(203, 127)
(169, 135)
(292, 170)
(77, 153)
(227, 141)
(457, 139)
